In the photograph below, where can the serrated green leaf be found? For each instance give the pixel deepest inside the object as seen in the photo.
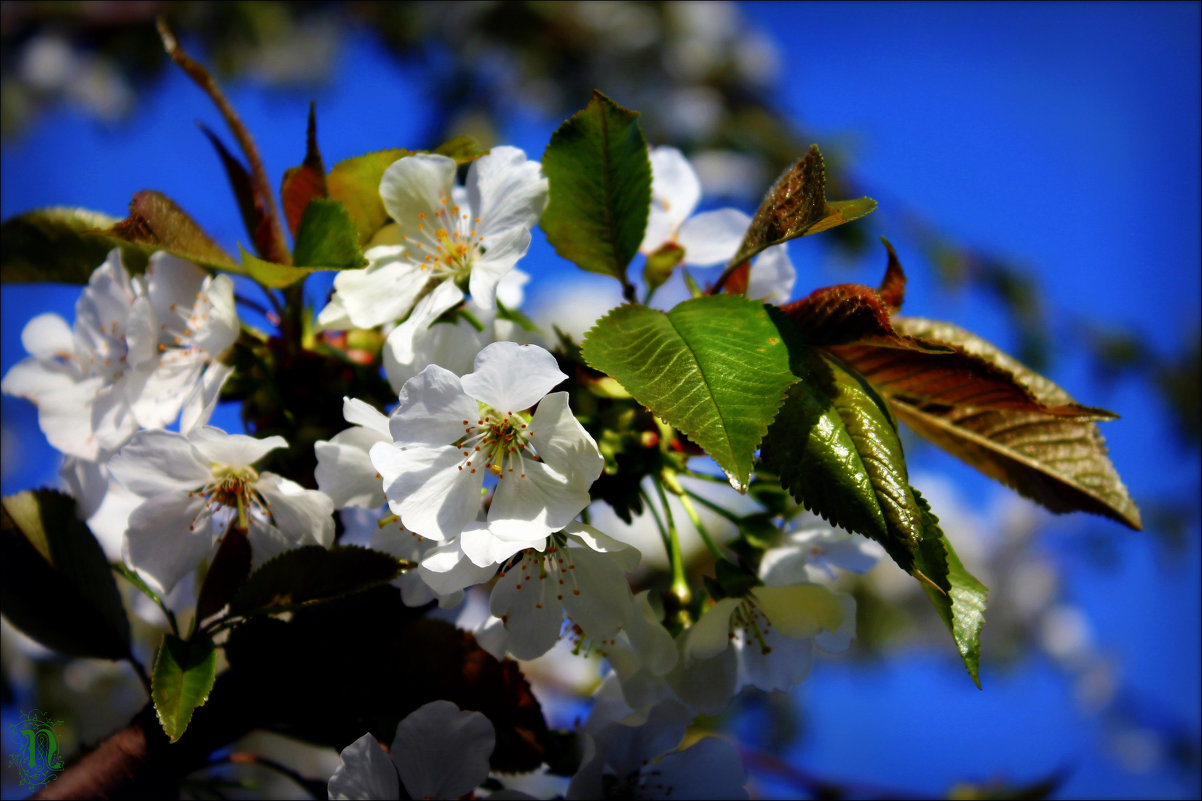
(960, 597)
(835, 447)
(56, 583)
(313, 575)
(356, 183)
(600, 181)
(714, 367)
(182, 677)
(326, 237)
(1057, 460)
(796, 205)
(55, 245)
(155, 222)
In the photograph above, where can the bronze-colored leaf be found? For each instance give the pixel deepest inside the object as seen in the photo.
(1047, 447)
(796, 205)
(850, 313)
(155, 222)
(893, 286)
(306, 182)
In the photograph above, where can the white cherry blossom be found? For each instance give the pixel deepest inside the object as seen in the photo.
(192, 487)
(450, 433)
(444, 242)
(812, 551)
(711, 237)
(344, 470)
(439, 751)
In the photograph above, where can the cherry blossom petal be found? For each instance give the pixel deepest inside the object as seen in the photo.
(525, 600)
(785, 665)
(364, 771)
(503, 251)
(708, 769)
(506, 191)
(415, 186)
(161, 543)
(675, 191)
(441, 751)
(233, 450)
(800, 610)
(563, 443)
(510, 377)
(380, 293)
(410, 348)
(712, 237)
(359, 413)
(601, 602)
(304, 516)
(156, 462)
(48, 336)
(444, 297)
(425, 487)
(484, 549)
(772, 276)
(202, 399)
(529, 509)
(432, 409)
(710, 635)
(344, 470)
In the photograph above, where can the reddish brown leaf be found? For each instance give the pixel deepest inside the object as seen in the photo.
(155, 222)
(736, 284)
(850, 313)
(893, 286)
(306, 182)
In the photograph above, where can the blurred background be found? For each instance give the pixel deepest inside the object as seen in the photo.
(1037, 169)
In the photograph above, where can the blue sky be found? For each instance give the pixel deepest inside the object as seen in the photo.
(1064, 136)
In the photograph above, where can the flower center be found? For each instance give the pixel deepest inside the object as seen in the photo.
(498, 442)
(448, 244)
(232, 488)
(753, 622)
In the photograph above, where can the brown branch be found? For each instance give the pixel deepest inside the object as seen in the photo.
(275, 246)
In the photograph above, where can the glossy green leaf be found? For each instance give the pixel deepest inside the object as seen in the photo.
(155, 222)
(313, 575)
(181, 680)
(714, 367)
(959, 597)
(796, 205)
(835, 447)
(56, 584)
(55, 245)
(356, 183)
(600, 181)
(1054, 455)
(326, 237)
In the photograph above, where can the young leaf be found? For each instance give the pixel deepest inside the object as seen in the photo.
(182, 677)
(156, 223)
(356, 184)
(306, 182)
(796, 205)
(312, 575)
(227, 572)
(960, 598)
(835, 448)
(326, 237)
(243, 187)
(56, 584)
(1056, 460)
(464, 149)
(600, 179)
(714, 367)
(850, 313)
(58, 244)
(892, 290)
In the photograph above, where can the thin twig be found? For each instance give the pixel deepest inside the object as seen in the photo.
(278, 246)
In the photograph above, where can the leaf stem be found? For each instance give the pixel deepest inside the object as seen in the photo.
(680, 582)
(136, 580)
(276, 249)
(713, 507)
(714, 550)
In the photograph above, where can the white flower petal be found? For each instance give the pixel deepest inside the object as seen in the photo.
(563, 443)
(432, 409)
(202, 399)
(601, 602)
(359, 413)
(156, 462)
(710, 635)
(529, 509)
(707, 685)
(506, 191)
(675, 191)
(484, 549)
(447, 572)
(504, 249)
(444, 297)
(510, 377)
(708, 769)
(786, 663)
(772, 276)
(800, 610)
(380, 293)
(47, 336)
(344, 470)
(159, 544)
(304, 516)
(441, 751)
(413, 190)
(409, 349)
(233, 450)
(427, 489)
(524, 597)
(712, 237)
(364, 772)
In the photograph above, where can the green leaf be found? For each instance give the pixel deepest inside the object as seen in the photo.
(56, 244)
(958, 596)
(714, 367)
(356, 183)
(313, 575)
(326, 237)
(796, 205)
(600, 181)
(835, 447)
(155, 222)
(56, 584)
(181, 680)
(464, 149)
(1054, 455)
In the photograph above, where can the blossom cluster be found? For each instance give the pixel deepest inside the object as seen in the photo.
(480, 475)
